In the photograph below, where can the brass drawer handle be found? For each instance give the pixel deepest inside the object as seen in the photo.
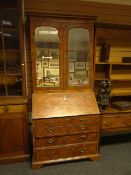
(83, 127)
(50, 141)
(83, 136)
(50, 130)
(81, 150)
(82, 119)
(51, 154)
(107, 124)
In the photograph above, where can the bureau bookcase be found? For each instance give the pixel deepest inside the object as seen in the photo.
(64, 108)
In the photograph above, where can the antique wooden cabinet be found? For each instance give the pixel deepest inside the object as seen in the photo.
(13, 102)
(113, 63)
(64, 109)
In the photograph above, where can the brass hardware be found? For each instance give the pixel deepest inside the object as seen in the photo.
(107, 124)
(50, 141)
(83, 136)
(81, 150)
(83, 127)
(51, 154)
(82, 119)
(50, 130)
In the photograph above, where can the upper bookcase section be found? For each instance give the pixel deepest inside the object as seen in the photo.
(62, 52)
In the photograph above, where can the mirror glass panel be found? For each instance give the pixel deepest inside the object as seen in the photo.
(47, 57)
(78, 57)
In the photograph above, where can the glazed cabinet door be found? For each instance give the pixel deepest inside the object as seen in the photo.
(62, 53)
(11, 49)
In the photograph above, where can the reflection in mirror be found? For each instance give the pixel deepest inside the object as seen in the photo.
(11, 39)
(10, 18)
(14, 85)
(47, 56)
(12, 60)
(78, 57)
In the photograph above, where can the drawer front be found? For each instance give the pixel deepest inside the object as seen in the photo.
(50, 154)
(49, 131)
(80, 138)
(83, 120)
(62, 152)
(12, 108)
(65, 140)
(82, 149)
(116, 121)
(49, 141)
(83, 127)
(50, 122)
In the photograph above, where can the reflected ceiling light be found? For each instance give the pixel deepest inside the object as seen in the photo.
(41, 32)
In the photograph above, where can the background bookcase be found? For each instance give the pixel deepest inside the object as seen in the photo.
(13, 101)
(113, 62)
(113, 67)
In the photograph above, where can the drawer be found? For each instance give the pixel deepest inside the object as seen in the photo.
(83, 120)
(12, 108)
(50, 153)
(82, 149)
(116, 121)
(79, 138)
(83, 127)
(49, 141)
(50, 122)
(65, 140)
(49, 131)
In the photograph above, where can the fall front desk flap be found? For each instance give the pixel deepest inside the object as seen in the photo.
(62, 104)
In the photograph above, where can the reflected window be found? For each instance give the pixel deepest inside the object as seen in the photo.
(47, 56)
(14, 82)
(78, 57)
(11, 39)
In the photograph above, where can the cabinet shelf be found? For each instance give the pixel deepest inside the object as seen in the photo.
(121, 92)
(121, 77)
(113, 67)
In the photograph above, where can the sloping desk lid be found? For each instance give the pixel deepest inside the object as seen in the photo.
(64, 104)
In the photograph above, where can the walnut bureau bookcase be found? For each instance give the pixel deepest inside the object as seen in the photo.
(64, 109)
(113, 62)
(13, 104)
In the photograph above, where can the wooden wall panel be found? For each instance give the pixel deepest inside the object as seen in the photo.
(105, 12)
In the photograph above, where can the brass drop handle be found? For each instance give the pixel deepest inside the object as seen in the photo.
(83, 136)
(50, 141)
(82, 119)
(83, 127)
(51, 154)
(107, 123)
(50, 130)
(82, 150)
